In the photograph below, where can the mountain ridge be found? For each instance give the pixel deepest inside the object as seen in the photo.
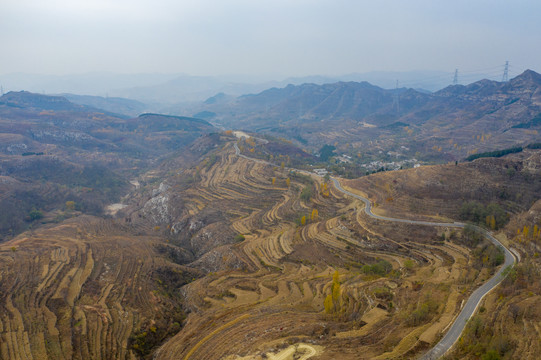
(351, 112)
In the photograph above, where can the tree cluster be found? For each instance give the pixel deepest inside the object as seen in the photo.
(492, 215)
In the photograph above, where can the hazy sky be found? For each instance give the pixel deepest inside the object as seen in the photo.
(280, 37)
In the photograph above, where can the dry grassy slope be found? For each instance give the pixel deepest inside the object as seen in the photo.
(513, 181)
(79, 291)
(277, 297)
(510, 324)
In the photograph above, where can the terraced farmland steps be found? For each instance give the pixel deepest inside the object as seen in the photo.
(455, 330)
(471, 305)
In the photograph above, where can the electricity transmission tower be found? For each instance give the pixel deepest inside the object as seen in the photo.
(455, 79)
(397, 99)
(505, 77)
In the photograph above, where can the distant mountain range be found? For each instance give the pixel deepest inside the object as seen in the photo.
(186, 88)
(455, 121)
(112, 104)
(160, 89)
(451, 123)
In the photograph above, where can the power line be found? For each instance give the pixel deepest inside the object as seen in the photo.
(489, 75)
(482, 69)
(466, 76)
(427, 79)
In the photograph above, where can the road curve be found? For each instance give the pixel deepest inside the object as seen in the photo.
(454, 332)
(474, 300)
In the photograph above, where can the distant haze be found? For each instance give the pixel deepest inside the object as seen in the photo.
(274, 38)
(161, 89)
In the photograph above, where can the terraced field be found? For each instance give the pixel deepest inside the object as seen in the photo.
(278, 299)
(79, 290)
(171, 277)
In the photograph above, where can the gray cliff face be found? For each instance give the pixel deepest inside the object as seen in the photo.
(157, 208)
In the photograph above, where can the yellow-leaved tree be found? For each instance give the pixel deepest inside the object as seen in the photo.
(325, 189)
(70, 205)
(492, 222)
(332, 301)
(314, 215)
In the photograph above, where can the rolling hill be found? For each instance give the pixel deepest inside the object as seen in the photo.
(53, 151)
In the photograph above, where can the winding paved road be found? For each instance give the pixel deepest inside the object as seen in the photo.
(474, 300)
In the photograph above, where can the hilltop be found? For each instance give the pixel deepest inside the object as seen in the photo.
(28, 100)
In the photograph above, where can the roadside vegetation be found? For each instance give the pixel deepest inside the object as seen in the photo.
(491, 216)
